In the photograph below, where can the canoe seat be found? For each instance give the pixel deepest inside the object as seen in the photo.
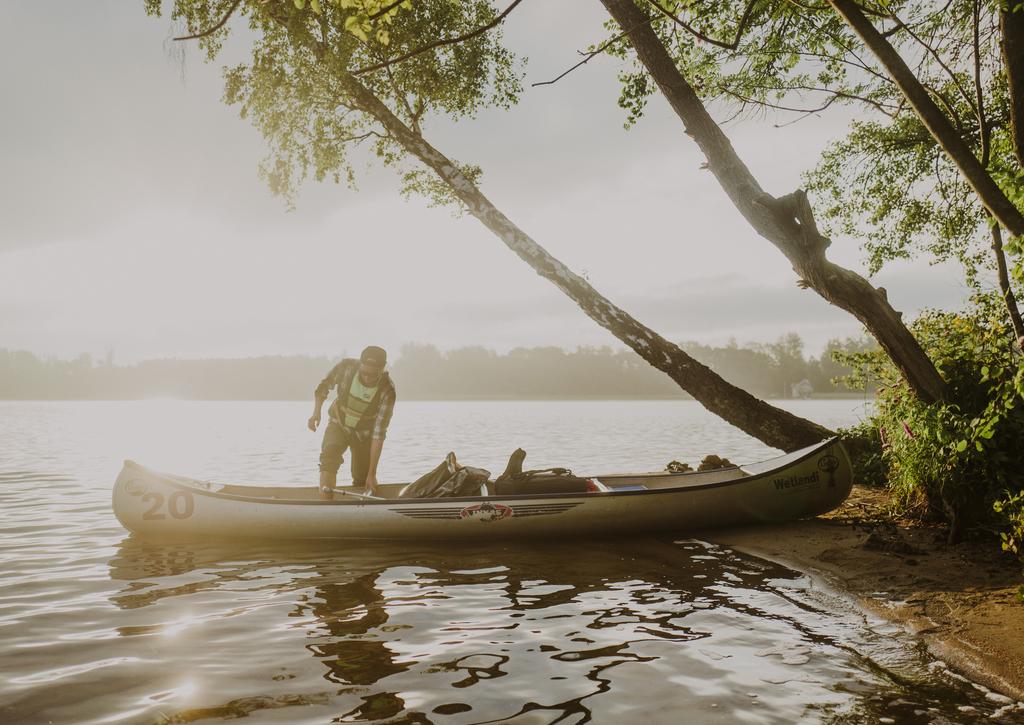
(629, 487)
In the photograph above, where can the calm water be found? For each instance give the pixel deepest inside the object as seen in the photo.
(98, 627)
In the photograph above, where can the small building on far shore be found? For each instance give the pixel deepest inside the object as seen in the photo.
(803, 389)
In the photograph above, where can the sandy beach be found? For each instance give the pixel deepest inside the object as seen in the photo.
(960, 600)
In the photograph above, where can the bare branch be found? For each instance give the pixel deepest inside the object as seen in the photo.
(744, 19)
(938, 59)
(588, 56)
(978, 90)
(362, 137)
(882, 107)
(440, 43)
(213, 29)
(804, 112)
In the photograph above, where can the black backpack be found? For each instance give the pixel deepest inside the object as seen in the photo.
(449, 479)
(517, 482)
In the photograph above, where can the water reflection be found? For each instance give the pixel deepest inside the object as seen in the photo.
(580, 632)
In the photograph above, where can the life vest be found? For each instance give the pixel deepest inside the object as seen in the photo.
(351, 403)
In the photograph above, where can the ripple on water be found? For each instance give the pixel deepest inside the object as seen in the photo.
(99, 627)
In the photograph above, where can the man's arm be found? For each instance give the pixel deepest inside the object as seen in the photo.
(314, 420)
(376, 446)
(380, 429)
(320, 395)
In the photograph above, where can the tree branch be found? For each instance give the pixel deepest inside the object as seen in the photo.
(788, 225)
(989, 193)
(778, 107)
(387, 9)
(587, 57)
(361, 137)
(885, 109)
(978, 90)
(439, 43)
(1011, 26)
(744, 19)
(214, 28)
(938, 59)
(1004, 283)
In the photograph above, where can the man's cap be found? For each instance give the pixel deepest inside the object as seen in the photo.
(374, 355)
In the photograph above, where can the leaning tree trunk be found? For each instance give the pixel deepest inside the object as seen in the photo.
(787, 221)
(933, 118)
(974, 170)
(1005, 289)
(773, 426)
(1011, 27)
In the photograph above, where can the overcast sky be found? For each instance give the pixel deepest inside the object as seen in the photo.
(132, 217)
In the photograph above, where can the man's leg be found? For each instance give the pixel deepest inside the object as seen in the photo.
(360, 460)
(331, 456)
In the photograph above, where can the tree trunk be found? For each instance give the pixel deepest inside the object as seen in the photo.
(787, 222)
(1011, 26)
(773, 426)
(1004, 285)
(933, 118)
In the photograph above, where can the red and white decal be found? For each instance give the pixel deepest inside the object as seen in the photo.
(486, 512)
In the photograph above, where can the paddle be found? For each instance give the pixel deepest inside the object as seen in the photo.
(358, 495)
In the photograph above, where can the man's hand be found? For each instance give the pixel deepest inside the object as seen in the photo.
(314, 422)
(372, 485)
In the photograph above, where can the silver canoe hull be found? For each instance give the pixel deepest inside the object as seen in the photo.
(801, 484)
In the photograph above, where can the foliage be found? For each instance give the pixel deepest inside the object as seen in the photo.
(297, 86)
(957, 459)
(891, 186)
(887, 183)
(870, 467)
(1012, 508)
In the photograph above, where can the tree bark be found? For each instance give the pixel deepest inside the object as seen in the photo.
(772, 426)
(1004, 285)
(787, 222)
(1011, 27)
(933, 118)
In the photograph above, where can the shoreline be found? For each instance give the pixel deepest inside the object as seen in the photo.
(960, 601)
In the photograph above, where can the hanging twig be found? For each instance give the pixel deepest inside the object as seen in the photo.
(591, 54)
(215, 28)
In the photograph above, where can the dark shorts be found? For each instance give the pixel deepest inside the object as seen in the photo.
(338, 438)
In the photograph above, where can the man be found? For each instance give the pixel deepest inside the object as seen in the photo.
(358, 418)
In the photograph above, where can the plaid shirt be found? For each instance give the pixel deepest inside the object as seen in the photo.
(377, 417)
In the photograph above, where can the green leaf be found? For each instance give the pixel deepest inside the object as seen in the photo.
(354, 26)
(961, 446)
(300, 4)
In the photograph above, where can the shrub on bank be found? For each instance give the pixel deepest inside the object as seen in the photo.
(960, 460)
(870, 467)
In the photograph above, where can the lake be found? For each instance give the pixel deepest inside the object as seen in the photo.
(99, 627)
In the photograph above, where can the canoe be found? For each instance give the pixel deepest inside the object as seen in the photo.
(804, 483)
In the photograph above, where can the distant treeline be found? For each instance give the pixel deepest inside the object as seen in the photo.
(422, 372)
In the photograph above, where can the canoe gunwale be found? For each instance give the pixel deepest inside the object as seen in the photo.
(176, 482)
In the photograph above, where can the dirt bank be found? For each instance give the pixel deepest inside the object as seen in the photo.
(961, 600)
